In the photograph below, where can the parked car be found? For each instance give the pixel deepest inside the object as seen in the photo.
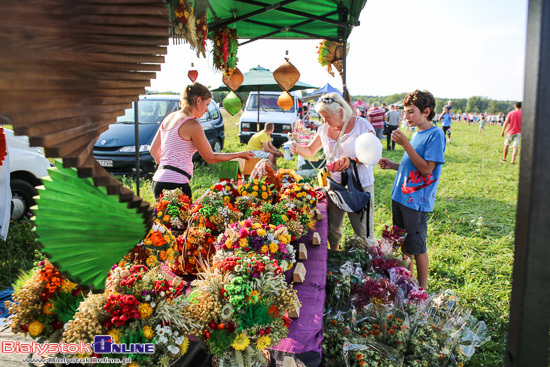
(115, 148)
(27, 166)
(269, 112)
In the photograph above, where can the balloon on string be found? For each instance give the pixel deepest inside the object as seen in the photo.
(368, 149)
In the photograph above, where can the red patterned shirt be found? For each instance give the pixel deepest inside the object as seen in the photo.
(376, 116)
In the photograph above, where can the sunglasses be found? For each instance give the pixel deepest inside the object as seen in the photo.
(329, 100)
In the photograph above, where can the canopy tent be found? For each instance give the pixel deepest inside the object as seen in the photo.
(327, 88)
(287, 19)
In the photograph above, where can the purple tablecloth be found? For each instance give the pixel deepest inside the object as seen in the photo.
(306, 333)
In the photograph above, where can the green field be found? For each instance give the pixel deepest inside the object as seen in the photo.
(470, 232)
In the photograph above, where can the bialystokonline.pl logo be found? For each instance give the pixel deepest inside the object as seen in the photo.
(103, 344)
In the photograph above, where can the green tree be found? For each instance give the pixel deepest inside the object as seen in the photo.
(477, 104)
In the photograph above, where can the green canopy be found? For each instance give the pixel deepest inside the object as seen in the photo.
(287, 19)
(260, 78)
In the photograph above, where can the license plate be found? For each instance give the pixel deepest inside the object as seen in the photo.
(105, 163)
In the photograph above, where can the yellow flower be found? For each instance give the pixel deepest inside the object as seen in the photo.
(162, 255)
(148, 332)
(36, 328)
(273, 247)
(255, 187)
(261, 232)
(241, 342)
(145, 310)
(285, 218)
(184, 346)
(228, 188)
(167, 238)
(68, 286)
(170, 254)
(151, 261)
(256, 225)
(264, 195)
(47, 308)
(243, 242)
(226, 199)
(254, 193)
(264, 341)
(264, 188)
(245, 193)
(256, 181)
(115, 334)
(264, 249)
(228, 244)
(166, 218)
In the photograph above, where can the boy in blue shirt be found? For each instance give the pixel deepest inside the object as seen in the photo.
(414, 188)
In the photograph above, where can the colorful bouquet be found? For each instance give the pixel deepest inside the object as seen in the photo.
(174, 209)
(263, 171)
(225, 49)
(218, 206)
(246, 237)
(296, 219)
(194, 245)
(140, 305)
(240, 306)
(159, 246)
(288, 176)
(302, 192)
(394, 235)
(257, 189)
(43, 302)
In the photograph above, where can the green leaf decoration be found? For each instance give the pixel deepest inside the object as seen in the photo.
(232, 103)
(82, 230)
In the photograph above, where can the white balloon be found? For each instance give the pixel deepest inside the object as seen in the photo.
(368, 149)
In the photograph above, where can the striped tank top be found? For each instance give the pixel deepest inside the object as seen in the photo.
(175, 151)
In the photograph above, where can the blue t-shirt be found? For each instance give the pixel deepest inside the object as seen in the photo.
(412, 189)
(446, 118)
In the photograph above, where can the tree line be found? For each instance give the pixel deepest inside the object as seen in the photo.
(474, 104)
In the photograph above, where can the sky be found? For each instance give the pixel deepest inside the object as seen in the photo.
(453, 48)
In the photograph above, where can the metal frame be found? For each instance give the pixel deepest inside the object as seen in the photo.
(530, 301)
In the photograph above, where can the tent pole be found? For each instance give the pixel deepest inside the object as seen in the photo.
(258, 105)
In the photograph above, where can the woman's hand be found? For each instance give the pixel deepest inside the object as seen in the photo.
(340, 165)
(293, 147)
(247, 155)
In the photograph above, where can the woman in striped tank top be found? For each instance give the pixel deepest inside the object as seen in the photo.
(180, 135)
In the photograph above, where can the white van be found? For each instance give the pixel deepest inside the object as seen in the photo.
(27, 166)
(269, 112)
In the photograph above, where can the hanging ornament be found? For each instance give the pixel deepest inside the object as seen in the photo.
(233, 80)
(225, 49)
(331, 54)
(193, 74)
(232, 103)
(285, 101)
(286, 75)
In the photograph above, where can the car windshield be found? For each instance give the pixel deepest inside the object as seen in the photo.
(150, 112)
(268, 102)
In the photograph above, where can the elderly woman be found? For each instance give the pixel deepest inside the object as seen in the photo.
(335, 112)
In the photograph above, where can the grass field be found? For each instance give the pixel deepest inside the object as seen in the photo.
(470, 232)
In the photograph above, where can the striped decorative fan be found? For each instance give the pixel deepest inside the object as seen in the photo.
(81, 229)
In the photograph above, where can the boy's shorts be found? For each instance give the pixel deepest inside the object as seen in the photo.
(513, 139)
(415, 223)
(260, 154)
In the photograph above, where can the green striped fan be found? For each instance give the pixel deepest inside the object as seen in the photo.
(82, 230)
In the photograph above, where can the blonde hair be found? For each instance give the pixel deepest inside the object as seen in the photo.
(192, 92)
(335, 107)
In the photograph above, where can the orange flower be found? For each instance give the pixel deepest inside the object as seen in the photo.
(162, 255)
(157, 239)
(47, 308)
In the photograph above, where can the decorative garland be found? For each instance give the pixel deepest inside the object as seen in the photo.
(331, 54)
(225, 49)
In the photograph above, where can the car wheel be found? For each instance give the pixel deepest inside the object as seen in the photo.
(21, 197)
(217, 147)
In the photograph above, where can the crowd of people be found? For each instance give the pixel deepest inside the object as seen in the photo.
(418, 172)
